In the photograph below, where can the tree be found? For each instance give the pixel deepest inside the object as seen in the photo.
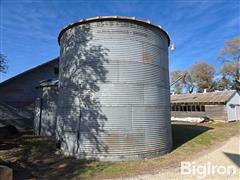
(230, 56)
(222, 84)
(202, 75)
(3, 61)
(182, 81)
(175, 75)
(187, 82)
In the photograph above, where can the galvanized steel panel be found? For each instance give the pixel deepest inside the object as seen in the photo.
(142, 73)
(114, 91)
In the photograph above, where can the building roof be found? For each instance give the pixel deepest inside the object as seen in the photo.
(28, 71)
(112, 18)
(217, 97)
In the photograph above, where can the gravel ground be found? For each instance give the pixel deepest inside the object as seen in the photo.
(226, 156)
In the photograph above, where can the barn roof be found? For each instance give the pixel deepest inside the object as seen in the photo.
(220, 97)
(29, 71)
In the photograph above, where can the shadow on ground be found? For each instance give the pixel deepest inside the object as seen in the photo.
(235, 158)
(19, 171)
(182, 133)
(35, 156)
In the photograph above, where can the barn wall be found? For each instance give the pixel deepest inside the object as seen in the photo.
(233, 108)
(21, 91)
(215, 112)
(183, 114)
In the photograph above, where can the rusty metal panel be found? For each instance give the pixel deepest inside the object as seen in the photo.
(114, 100)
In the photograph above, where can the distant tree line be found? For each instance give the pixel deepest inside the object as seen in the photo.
(202, 75)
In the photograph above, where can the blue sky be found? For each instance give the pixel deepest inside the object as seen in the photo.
(29, 29)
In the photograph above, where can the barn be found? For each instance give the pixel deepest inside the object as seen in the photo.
(218, 105)
(18, 94)
(46, 108)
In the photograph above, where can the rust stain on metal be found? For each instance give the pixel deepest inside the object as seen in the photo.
(146, 57)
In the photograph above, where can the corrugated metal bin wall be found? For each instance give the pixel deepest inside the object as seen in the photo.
(114, 99)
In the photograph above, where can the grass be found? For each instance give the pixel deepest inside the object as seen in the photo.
(33, 156)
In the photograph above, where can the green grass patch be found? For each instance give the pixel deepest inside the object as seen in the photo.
(38, 153)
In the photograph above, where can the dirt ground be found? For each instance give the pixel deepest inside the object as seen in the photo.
(227, 155)
(34, 157)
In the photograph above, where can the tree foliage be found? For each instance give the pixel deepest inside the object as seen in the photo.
(222, 84)
(3, 63)
(202, 75)
(230, 56)
(229, 69)
(231, 50)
